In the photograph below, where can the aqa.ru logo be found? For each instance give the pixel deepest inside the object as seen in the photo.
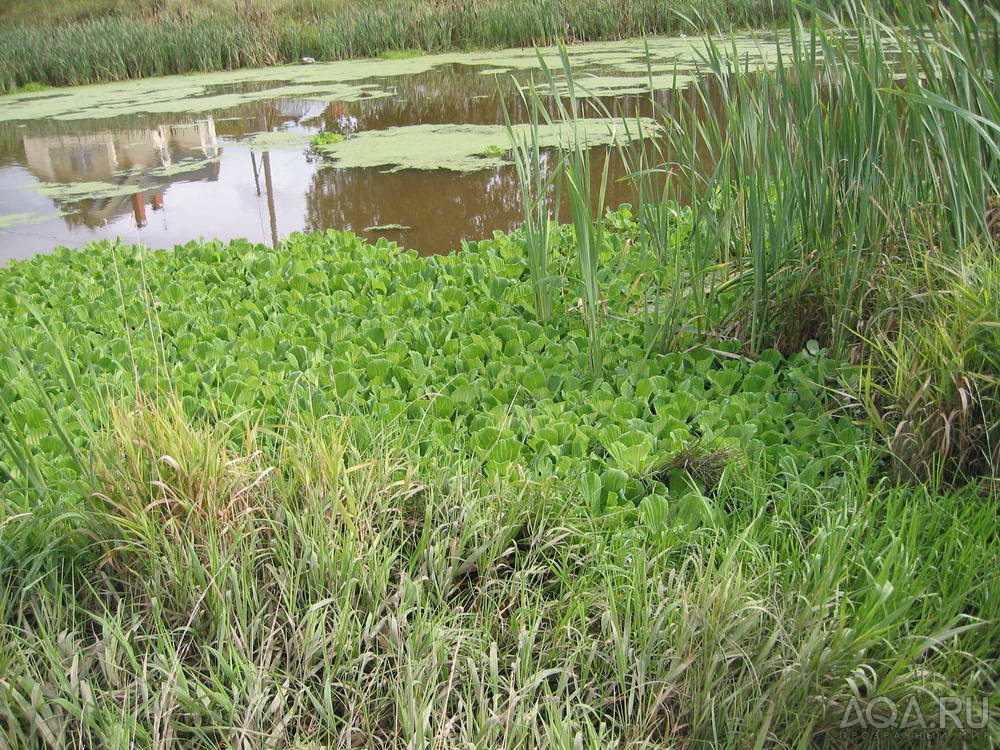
(885, 716)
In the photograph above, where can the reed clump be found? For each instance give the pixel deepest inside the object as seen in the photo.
(845, 201)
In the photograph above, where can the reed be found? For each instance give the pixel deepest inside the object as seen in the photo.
(537, 173)
(885, 167)
(586, 204)
(870, 152)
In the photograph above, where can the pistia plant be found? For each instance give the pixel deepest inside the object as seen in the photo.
(330, 325)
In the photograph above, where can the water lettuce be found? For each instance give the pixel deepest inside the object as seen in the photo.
(445, 346)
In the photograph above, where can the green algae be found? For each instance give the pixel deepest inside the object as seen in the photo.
(174, 95)
(278, 139)
(350, 80)
(387, 228)
(402, 54)
(179, 167)
(16, 220)
(77, 191)
(468, 148)
(598, 86)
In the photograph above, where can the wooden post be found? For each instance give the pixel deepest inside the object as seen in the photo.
(256, 174)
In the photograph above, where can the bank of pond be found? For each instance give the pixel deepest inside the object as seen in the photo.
(716, 467)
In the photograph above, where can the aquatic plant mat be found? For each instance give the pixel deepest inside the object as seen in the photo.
(716, 470)
(337, 495)
(15, 220)
(469, 148)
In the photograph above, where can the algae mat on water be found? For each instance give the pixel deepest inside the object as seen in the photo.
(469, 148)
(277, 139)
(350, 80)
(175, 94)
(129, 181)
(74, 191)
(29, 217)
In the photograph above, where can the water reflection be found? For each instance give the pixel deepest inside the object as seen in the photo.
(269, 187)
(469, 205)
(133, 168)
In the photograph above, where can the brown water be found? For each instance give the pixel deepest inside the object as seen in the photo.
(179, 177)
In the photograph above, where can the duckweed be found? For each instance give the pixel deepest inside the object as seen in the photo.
(469, 147)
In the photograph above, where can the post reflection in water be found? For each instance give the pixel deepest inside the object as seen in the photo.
(269, 183)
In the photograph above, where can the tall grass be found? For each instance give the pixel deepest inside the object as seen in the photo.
(118, 47)
(543, 179)
(536, 179)
(245, 587)
(934, 382)
(845, 179)
(586, 203)
(680, 239)
(863, 169)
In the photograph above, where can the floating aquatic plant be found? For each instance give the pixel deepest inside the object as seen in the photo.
(464, 147)
(334, 325)
(326, 138)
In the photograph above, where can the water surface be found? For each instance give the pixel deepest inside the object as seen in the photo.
(226, 155)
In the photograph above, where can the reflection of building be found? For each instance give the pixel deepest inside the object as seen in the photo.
(146, 160)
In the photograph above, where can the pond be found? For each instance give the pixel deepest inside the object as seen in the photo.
(424, 160)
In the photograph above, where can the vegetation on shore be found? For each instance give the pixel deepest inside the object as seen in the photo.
(370, 493)
(850, 196)
(679, 474)
(108, 42)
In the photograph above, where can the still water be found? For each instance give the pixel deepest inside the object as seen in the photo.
(228, 155)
